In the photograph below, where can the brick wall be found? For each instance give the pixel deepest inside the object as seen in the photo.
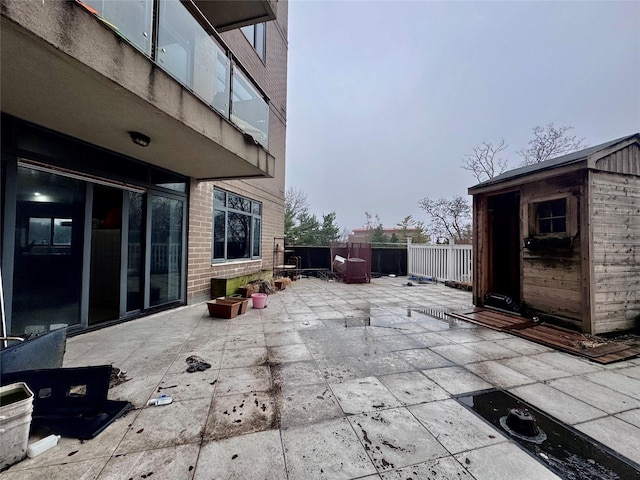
(200, 268)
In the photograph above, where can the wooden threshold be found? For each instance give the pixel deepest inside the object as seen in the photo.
(549, 335)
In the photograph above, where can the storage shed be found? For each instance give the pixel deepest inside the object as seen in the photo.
(561, 239)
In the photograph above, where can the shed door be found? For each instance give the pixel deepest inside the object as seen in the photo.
(504, 245)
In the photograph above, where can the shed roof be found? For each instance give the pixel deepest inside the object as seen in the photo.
(570, 158)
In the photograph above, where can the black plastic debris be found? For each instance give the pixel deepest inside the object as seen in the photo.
(36, 352)
(196, 364)
(71, 402)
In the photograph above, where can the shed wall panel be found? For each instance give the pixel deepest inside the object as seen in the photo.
(552, 280)
(616, 244)
(553, 284)
(625, 160)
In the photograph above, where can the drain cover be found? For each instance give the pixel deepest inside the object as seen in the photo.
(565, 451)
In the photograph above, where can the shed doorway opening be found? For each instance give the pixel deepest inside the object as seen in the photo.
(504, 251)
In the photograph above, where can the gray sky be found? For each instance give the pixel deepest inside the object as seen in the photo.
(386, 98)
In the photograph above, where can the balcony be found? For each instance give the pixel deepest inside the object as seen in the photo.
(229, 14)
(98, 71)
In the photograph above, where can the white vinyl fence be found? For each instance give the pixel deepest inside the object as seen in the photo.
(164, 257)
(442, 262)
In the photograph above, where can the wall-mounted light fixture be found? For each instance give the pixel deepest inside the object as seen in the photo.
(140, 139)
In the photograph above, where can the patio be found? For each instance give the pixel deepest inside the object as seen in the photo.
(332, 381)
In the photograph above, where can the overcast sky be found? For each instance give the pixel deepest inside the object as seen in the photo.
(386, 98)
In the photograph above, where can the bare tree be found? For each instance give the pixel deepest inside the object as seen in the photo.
(295, 207)
(295, 201)
(550, 142)
(484, 163)
(372, 221)
(450, 218)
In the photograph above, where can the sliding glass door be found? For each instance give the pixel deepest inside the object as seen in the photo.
(135, 251)
(106, 253)
(87, 252)
(165, 264)
(48, 252)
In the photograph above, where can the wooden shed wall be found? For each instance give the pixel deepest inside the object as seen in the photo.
(480, 257)
(552, 280)
(615, 232)
(626, 161)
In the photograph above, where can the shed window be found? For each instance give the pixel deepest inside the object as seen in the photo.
(552, 217)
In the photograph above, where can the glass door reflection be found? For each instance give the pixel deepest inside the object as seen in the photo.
(105, 261)
(135, 260)
(166, 249)
(47, 281)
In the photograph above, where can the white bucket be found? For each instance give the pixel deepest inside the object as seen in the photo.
(16, 405)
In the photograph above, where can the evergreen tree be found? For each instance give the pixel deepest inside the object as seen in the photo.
(308, 229)
(413, 229)
(378, 235)
(329, 231)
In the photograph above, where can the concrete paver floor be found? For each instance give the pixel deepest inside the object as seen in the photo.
(332, 381)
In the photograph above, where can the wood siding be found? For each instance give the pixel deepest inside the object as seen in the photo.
(552, 280)
(615, 236)
(626, 161)
(592, 281)
(480, 259)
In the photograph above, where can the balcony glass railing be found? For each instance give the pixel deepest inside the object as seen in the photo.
(187, 51)
(249, 110)
(133, 19)
(191, 54)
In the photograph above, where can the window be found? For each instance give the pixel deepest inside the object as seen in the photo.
(552, 217)
(50, 231)
(552, 222)
(256, 34)
(237, 224)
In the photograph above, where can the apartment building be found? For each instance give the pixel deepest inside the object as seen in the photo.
(143, 153)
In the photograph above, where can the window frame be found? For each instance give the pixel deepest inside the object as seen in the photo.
(571, 217)
(555, 217)
(54, 223)
(251, 33)
(253, 212)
